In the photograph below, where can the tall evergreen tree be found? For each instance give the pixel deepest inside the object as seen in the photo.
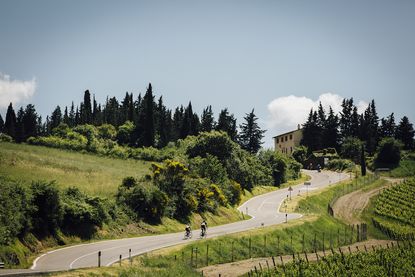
(10, 123)
(55, 118)
(371, 128)
(177, 123)
(1, 124)
(163, 132)
(66, 116)
(46, 126)
(321, 116)
(331, 131)
(207, 120)
(345, 122)
(126, 107)
(112, 112)
(363, 161)
(190, 124)
(387, 127)
(95, 112)
(312, 132)
(146, 129)
(40, 131)
(250, 136)
(20, 131)
(71, 122)
(86, 109)
(30, 121)
(405, 133)
(227, 123)
(77, 117)
(354, 124)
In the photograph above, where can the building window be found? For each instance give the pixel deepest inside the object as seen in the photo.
(286, 138)
(278, 140)
(291, 137)
(291, 149)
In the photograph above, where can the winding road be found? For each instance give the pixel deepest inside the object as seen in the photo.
(263, 209)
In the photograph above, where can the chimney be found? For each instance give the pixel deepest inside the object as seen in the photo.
(299, 126)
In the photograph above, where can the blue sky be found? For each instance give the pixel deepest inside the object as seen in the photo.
(279, 57)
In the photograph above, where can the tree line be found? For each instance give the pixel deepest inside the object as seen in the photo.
(325, 129)
(144, 121)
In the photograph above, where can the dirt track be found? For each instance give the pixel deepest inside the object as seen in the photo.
(241, 267)
(350, 206)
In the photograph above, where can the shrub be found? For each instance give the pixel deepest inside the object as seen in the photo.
(236, 193)
(47, 211)
(82, 213)
(339, 164)
(300, 154)
(351, 149)
(277, 165)
(124, 132)
(388, 153)
(5, 138)
(210, 168)
(215, 143)
(107, 131)
(145, 200)
(14, 209)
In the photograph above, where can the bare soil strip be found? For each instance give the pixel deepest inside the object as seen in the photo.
(350, 206)
(241, 267)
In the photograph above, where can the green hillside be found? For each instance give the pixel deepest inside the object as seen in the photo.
(93, 174)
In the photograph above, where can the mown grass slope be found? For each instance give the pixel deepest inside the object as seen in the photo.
(93, 174)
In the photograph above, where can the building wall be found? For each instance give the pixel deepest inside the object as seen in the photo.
(286, 143)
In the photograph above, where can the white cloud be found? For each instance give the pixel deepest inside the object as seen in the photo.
(289, 111)
(15, 91)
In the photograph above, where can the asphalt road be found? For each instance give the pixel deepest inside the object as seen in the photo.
(263, 209)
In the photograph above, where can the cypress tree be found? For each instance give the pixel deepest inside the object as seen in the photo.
(162, 124)
(55, 118)
(346, 118)
(10, 124)
(251, 135)
(125, 109)
(207, 120)
(95, 112)
(71, 122)
(363, 161)
(30, 121)
(371, 120)
(20, 132)
(190, 124)
(331, 132)
(147, 134)
(86, 109)
(227, 123)
(312, 132)
(77, 117)
(66, 116)
(177, 123)
(354, 125)
(405, 133)
(387, 127)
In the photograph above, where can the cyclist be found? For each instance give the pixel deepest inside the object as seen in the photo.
(188, 231)
(203, 227)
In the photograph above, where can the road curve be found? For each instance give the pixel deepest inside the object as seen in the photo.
(263, 209)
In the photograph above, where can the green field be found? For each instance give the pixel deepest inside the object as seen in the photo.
(93, 174)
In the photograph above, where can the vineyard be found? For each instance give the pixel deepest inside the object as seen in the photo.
(396, 261)
(395, 211)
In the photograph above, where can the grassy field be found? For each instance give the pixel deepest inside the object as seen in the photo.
(91, 173)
